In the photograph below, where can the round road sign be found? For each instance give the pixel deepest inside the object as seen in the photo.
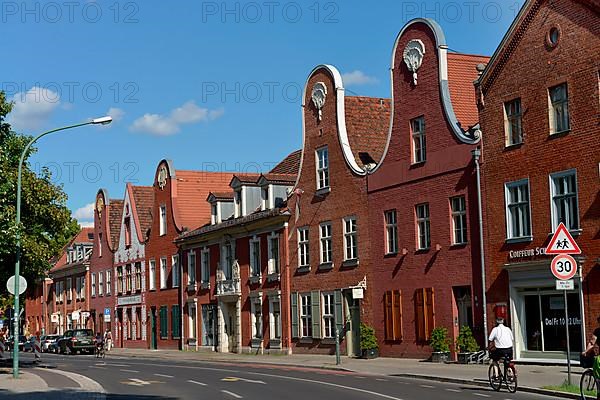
(563, 267)
(10, 285)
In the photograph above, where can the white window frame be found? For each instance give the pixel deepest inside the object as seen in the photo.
(423, 227)
(554, 198)
(303, 247)
(214, 213)
(419, 140)
(266, 196)
(227, 262)
(325, 243)
(192, 319)
(69, 289)
(205, 265)
(459, 221)
(511, 120)
(322, 167)
(255, 268)
(305, 317)
(163, 273)
(101, 283)
(256, 303)
(176, 271)
(391, 231)
(328, 315)
(93, 285)
(152, 275)
(563, 104)
(274, 265)
(109, 282)
(191, 267)
(274, 325)
(510, 229)
(162, 220)
(350, 229)
(238, 201)
(100, 244)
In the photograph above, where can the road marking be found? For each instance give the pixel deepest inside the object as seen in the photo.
(237, 396)
(197, 383)
(133, 371)
(359, 377)
(453, 390)
(138, 382)
(236, 379)
(119, 365)
(481, 395)
(381, 380)
(94, 366)
(164, 376)
(427, 386)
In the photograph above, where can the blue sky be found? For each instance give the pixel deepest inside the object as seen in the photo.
(213, 85)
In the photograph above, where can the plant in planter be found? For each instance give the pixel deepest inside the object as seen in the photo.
(440, 344)
(368, 342)
(465, 344)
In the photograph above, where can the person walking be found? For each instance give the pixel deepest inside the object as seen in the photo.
(108, 339)
(37, 348)
(2, 346)
(501, 341)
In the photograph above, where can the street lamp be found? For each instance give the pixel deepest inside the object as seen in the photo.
(97, 121)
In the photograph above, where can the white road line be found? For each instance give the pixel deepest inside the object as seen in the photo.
(427, 386)
(381, 380)
(197, 383)
(237, 396)
(119, 365)
(164, 376)
(94, 366)
(133, 371)
(481, 395)
(454, 390)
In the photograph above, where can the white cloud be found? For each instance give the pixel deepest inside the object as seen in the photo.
(86, 224)
(358, 78)
(85, 212)
(161, 125)
(33, 108)
(116, 114)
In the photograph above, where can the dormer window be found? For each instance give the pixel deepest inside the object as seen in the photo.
(266, 199)
(214, 215)
(238, 203)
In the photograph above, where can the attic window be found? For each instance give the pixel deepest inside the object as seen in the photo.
(553, 37)
(91, 235)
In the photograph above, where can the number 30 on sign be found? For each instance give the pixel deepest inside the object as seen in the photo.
(564, 267)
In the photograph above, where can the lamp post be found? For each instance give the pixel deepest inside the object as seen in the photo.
(97, 121)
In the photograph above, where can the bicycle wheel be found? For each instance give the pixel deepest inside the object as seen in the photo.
(511, 379)
(587, 384)
(495, 376)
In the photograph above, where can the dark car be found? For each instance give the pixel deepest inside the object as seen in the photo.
(10, 342)
(76, 341)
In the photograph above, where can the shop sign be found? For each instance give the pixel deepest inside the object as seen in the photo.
(565, 285)
(125, 301)
(357, 293)
(561, 321)
(527, 253)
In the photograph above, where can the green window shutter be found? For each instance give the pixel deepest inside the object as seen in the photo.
(315, 302)
(163, 321)
(294, 303)
(175, 321)
(339, 311)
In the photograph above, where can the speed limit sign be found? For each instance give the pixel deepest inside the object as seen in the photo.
(564, 267)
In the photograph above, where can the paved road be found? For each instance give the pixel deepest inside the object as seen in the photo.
(151, 379)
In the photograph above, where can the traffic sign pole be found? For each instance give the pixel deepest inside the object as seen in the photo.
(568, 341)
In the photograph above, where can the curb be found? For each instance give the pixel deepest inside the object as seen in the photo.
(526, 389)
(86, 384)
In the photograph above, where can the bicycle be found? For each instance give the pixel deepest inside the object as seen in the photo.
(589, 385)
(100, 351)
(497, 377)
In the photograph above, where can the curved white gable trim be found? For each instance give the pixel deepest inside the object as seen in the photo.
(341, 120)
(442, 49)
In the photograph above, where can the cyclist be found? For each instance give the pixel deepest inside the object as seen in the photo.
(99, 339)
(501, 341)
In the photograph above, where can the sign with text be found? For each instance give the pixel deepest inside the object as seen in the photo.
(563, 267)
(125, 301)
(565, 285)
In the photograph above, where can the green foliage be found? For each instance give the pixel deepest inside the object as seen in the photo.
(439, 340)
(368, 340)
(465, 342)
(573, 388)
(46, 222)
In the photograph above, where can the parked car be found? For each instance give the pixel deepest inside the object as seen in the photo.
(10, 343)
(48, 342)
(76, 341)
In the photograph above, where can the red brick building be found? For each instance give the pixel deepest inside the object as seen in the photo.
(36, 306)
(236, 267)
(329, 239)
(423, 197)
(107, 227)
(178, 205)
(69, 296)
(128, 282)
(539, 107)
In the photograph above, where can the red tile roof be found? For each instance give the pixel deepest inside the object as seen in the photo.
(367, 124)
(461, 75)
(83, 236)
(115, 213)
(143, 196)
(190, 205)
(281, 178)
(222, 195)
(247, 178)
(289, 165)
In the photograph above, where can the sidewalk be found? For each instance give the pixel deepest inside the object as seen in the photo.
(38, 382)
(531, 377)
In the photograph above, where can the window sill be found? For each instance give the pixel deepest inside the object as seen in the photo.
(523, 239)
(561, 133)
(417, 164)
(422, 250)
(323, 191)
(391, 255)
(458, 245)
(350, 263)
(205, 285)
(303, 269)
(255, 279)
(275, 343)
(325, 266)
(274, 277)
(513, 146)
(256, 343)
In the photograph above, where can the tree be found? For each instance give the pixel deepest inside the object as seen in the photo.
(46, 222)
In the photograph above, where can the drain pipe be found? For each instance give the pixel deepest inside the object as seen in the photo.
(476, 152)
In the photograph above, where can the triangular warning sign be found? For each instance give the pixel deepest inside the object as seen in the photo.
(562, 242)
